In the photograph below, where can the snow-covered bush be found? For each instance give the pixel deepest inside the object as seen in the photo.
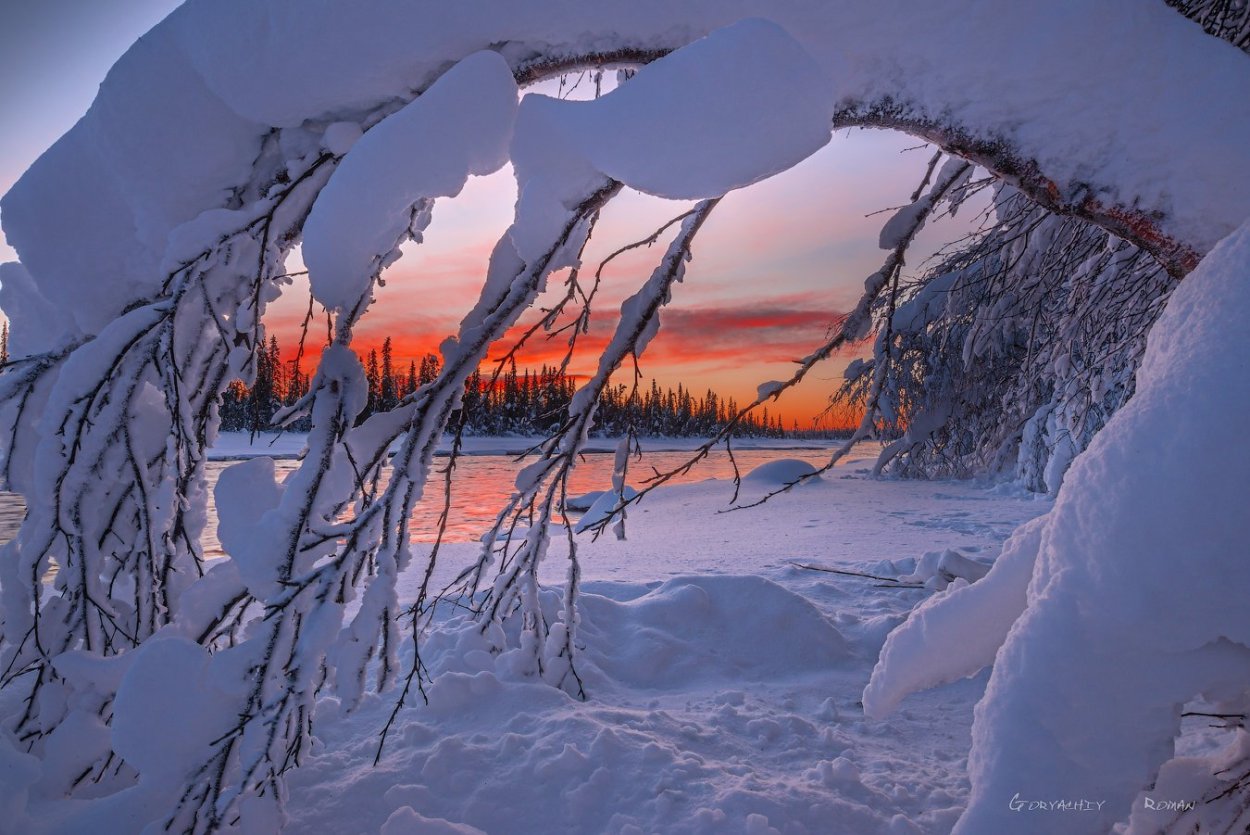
(1014, 350)
(154, 233)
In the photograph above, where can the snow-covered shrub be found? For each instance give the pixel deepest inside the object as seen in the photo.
(1014, 350)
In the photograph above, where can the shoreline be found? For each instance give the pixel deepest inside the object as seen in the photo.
(237, 446)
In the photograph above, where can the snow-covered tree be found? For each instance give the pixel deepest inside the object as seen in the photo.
(1016, 347)
(155, 232)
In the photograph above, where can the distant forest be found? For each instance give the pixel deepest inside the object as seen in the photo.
(523, 402)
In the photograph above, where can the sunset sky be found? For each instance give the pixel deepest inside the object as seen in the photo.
(772, 268)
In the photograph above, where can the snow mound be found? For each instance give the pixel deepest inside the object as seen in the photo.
(1137, 601)
(584, 502)
(939, 569)
(406, 821)
(498, 751)
(600, 507)
(955, 635)
(708, 628)
(781, 472)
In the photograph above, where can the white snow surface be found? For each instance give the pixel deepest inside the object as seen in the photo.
(722, 682)
(722, 685)
(1136, 605)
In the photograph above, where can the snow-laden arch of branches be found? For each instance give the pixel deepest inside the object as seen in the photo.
(154, 233)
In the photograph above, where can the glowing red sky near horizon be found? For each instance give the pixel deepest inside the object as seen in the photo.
(773, 267)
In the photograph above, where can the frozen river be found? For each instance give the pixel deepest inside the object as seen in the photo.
(482, 483)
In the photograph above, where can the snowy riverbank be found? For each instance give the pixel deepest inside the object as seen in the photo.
(231, 446)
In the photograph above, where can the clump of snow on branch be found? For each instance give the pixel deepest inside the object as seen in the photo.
(955, 635)
(719, 114)
(380, 194)
(1012, 351)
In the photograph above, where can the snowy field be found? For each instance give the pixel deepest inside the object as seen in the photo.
(723, 682)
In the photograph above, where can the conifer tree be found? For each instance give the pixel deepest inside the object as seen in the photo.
(388, 394)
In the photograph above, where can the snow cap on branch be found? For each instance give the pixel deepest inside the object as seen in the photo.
(245, 492)
(695, 124)
(458, 128)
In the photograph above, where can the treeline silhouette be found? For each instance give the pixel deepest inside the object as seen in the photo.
(523, 402)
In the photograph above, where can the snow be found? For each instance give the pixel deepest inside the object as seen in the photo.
(426, 150)
(767, 390)
(695, 629)
(721, 676)
(34, 320)
(1134, 576)
(694, 124)
(603, 505)
(780, 472)
(721, 682)
(245, 492)
(955, 635)
(405, 821)
(168, 709)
